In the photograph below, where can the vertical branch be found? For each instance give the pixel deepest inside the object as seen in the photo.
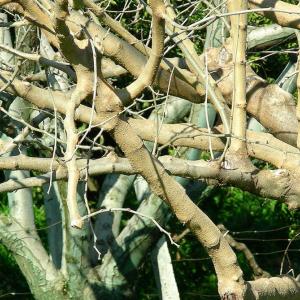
(70, 158)
(287, 79)
(54, 208)
(148, 74)
(216, 32)
(65, 41)
(239, 35)
(42, 277)
(5, 39)
(112, 195)
(20, 202)
(298, 90)
(133, 243)
(58, 80)
(19, 233)
(80, 54)
(61, 12)
(163, 271)
(75, 261)
(237, 155)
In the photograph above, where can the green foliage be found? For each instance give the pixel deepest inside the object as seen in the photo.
(3, 204)
(258, 20)
(78, 4)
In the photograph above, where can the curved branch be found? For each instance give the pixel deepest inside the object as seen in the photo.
(31, 11)
(149, 72)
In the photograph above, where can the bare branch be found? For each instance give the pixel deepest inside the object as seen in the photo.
(238, 34)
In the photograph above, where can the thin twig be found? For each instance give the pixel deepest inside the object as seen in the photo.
(129, 210)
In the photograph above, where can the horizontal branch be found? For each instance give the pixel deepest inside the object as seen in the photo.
(281, 287)
(260, 96)
(276, 184)
(260, 145)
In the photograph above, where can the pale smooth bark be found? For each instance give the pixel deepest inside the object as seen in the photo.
(163, 271)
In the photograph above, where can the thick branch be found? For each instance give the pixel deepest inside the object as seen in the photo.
(284, 14)
(276, 184)
(261, 97)
(283, 288)
(238, 35)
(149, 72)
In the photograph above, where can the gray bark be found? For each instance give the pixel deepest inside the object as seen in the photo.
(266, 36)
(163, 271)
(112, 195)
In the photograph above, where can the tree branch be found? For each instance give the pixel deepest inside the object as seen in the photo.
(237, 149)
